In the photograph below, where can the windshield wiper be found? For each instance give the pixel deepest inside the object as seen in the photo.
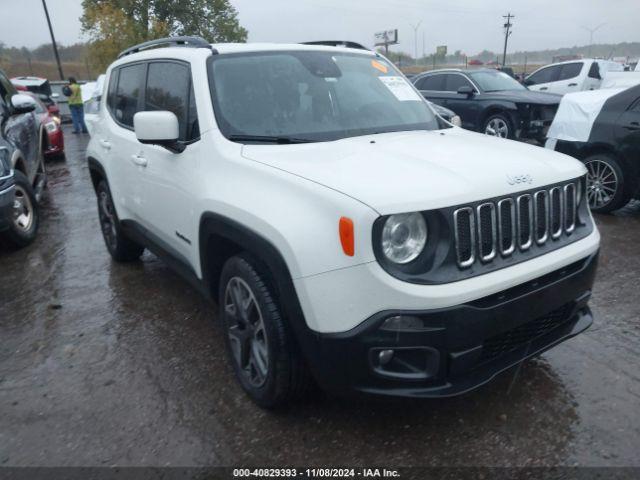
(268, 139)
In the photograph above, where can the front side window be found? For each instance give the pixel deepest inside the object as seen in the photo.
(570, 70)
(312, 96)
(495, 81)
(169, 88)
(128, 93)
(546, 75)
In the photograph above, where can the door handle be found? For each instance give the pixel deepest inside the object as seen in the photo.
(544, 88)
(573, 84)
(633, 126)
(139, 160)
(105, 144)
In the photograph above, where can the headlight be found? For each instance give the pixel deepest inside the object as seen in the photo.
(456, 120)
(51, 127)
(404, 237)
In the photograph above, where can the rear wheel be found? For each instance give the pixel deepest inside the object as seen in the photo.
(262, 349)
(121, 248)
(607, 188)
(24, 226)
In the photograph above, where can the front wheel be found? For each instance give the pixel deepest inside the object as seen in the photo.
(606, 183)
(498, 125)
(24, 225)
(262, 349)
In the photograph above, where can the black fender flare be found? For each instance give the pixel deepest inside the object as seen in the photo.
(214, 225)
(96, 170)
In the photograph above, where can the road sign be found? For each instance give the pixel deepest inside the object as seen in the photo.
(441, 50)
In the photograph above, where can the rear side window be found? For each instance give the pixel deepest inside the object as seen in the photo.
(570, 70)
(431, 82)
(169, 88)
(455, 81)
(111, 93)
(594, 71)
(128, 93)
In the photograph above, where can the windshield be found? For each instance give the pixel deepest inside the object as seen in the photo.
(495, 81)
(308, 96)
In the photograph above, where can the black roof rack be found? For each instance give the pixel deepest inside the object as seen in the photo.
(191, 42)
(337, 43)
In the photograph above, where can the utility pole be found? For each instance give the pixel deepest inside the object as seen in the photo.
(507, 32)
(591, 32)
(415, 38)
(53, 40)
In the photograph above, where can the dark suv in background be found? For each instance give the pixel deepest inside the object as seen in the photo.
(23, 178)
(491, 102)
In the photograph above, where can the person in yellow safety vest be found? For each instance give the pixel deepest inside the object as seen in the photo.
(76, 106)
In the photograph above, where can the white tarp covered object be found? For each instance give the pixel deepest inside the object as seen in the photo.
(577, 112)
(621, 79)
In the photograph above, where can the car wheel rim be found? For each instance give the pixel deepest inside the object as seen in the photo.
(602, 183)
(22, 210)
(107, 219)
(497, 127)
(246, 331)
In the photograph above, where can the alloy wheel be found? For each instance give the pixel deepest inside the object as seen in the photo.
(246, 330)
(602, 183)
(497, 127)
(108, 219)
(23, 214)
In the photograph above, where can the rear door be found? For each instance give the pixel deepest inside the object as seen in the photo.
(170, 179)
(571, 78)
(432, 87)
(119, 143)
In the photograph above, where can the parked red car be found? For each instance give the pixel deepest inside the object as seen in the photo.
(55, 146)
(41, 88)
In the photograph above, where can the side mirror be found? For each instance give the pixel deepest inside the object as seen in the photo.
(21, 103)
(158, 128)
(466, 90)
(55, 95)
(528, 82)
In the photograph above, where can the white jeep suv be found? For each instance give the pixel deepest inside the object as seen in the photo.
(350, 236)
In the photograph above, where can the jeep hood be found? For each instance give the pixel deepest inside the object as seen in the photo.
(421, 170)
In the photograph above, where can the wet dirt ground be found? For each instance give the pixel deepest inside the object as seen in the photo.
(104, 364)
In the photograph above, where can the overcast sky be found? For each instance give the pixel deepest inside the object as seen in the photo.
(467, 25)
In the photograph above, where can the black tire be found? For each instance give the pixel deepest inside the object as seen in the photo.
(608, 186)
(286, 376)
(121, 248)
(503, 121)
(26, 215)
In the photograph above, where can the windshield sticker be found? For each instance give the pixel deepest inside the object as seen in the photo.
(379, 66)
(401, 89)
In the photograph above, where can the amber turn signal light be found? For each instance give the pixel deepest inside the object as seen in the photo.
(346, 236)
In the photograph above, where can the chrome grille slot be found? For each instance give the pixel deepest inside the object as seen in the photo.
(556, 208)
(491, 230)
(541, 216)
(464, 231)
(506, 226)
(487, 231)
(525, 221)
(569, 207)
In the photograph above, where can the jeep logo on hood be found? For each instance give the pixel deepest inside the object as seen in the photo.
(517, 179)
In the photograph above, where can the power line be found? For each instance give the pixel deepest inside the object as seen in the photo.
(507, 32)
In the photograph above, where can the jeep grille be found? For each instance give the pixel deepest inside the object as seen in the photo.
(514, 224)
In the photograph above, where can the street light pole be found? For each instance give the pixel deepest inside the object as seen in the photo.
(53, 40)
(415, 37)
